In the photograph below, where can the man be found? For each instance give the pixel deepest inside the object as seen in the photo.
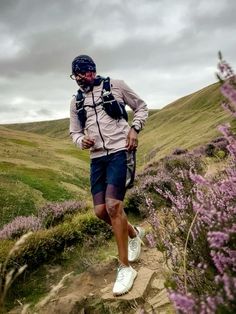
(98, 122)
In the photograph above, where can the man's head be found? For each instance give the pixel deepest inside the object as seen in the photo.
(84, 71)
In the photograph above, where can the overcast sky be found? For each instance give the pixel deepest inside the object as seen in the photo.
(163, 49)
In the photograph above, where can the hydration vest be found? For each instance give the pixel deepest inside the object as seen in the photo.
(112, 107)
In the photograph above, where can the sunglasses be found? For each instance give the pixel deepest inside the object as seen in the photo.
(74, 76)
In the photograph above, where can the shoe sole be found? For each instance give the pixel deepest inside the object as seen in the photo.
(129, 288)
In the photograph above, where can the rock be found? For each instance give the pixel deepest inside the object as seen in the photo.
(159, 299)
(158, 284)
(69, 304)
(139, 288)
(91, 292)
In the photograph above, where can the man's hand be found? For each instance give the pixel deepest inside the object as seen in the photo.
(87, 142)
(132, 140)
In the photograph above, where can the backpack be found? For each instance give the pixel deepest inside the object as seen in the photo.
(112, 107)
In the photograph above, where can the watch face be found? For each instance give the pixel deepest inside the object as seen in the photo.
(136, 129)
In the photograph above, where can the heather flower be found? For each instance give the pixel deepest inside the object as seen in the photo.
(229, 92)
(217, 239)
(229, 286)
(226, 106)
(52, 213)
(151, 240)
(183, 303)
(196, 226)
(198, 179)
(152, 214)
(19, 226)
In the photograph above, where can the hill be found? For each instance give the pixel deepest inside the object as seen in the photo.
(55, 128)
(35, 169)
(39, 163)
(186, 123)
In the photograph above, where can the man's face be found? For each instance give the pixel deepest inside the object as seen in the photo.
(85, 79)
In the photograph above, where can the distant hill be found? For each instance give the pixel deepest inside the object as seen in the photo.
(39, 163)
(55, 128)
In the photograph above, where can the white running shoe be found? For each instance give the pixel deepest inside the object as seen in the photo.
(134, 245)
(124, 280)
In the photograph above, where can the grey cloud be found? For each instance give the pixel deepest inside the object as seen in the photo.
(164, 49)
(6, 108)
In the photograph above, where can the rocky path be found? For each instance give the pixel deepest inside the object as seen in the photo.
(91, 291)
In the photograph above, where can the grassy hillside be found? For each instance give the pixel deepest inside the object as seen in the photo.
(185, 123)
(35, 169)
(39, 163)
(55, 128)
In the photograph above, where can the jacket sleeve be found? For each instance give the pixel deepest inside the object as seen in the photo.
(138, 106)
(76, 132)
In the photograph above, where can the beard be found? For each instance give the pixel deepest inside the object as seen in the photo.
(86, 83)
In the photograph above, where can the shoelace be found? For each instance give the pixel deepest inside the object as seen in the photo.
(120, 274)
(133, 243)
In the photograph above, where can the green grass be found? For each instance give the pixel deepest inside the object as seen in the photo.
(186, 123)
(56, 128)
(79, 154)
(39, 163)
(44, 182)
(35, 169)
(34, 285)
(41, 157)
(22, 142)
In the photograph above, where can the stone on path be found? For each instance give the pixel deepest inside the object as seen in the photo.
(138, 290)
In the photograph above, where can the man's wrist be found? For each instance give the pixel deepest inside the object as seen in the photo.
(136, 128)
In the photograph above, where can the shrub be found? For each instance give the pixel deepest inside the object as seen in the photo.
(135, 202)
(53, 213)
(175, 164)
(44, 245)
(161, 175)
(5, 248)
(200, 238)
(9, 274)
(217, 148)
(19, 226)
(179, 151)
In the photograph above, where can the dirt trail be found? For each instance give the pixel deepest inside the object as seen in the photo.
(91, 291)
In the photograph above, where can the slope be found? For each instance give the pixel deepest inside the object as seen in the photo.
(55, 128)
(39, 163)
(185, 123)
(35, 169)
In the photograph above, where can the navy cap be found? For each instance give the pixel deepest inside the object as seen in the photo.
(83, 63)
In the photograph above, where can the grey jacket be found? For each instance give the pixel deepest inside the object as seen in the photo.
(109, 134)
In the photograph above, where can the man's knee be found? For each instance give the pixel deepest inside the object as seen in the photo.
(113, 207)
(100, 211)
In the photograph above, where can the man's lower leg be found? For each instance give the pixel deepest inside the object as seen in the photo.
(101, 213)
(120, 227)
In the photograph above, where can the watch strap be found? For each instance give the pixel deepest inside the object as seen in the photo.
(137, 129)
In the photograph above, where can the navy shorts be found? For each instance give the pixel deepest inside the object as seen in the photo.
(108, 177)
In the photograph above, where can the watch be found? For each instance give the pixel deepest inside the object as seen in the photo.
(136, 128)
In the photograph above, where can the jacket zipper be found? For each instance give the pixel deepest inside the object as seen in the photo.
(103, 142)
